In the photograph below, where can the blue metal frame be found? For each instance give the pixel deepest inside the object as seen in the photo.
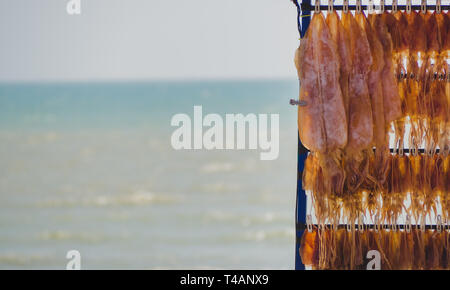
(304, 17)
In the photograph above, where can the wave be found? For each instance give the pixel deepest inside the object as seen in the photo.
(241, 164)
(246, 220)
(12, 259)
(70, 236)
(217, 167)
(261, 235)
(138, 198)
(220, 187)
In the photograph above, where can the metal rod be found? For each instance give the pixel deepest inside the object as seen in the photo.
(303, 19)
(301, 226)
(405, 150)
(305, 6)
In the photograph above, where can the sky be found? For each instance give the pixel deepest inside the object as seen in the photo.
(147, 40)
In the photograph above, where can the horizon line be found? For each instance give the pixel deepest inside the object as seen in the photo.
(144, 80)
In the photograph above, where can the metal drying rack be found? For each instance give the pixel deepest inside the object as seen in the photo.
(304, 10)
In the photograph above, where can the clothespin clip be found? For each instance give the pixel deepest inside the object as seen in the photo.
(333, 225)
(298, 103)
(382, 6)
(393, 224)
(370, 7)
(408, 6)
(408, 224)
(438, 6)
(434, 77)
(376, 224)
(399, 146)
(423, 6)
(432, 150)
(361, 223)
(349, 227)
(345, 6)
(439, 223)
(309, 225)
(394, 6)
(330, 6)
(322, 226)
(414, 150)
(317, 7)
(358, 6)
(422, 223)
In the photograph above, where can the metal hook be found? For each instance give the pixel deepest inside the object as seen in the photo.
(309, 223)
(394, 6)
(370, 7)
(330, 5)
(408, 6)
(317, 7)
(358, 6)
(439, 223)
(361, 223)
(298, 103)
(431, 151)
(345, 6)
(393, 225)
(332, 226)
(400, 150)
(414, 150)
(438, 6)
(382, 6)
(423, 6)
(408, 224)
(422, 223)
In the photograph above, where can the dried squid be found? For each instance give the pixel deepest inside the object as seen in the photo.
(415, 249)
(366, 80)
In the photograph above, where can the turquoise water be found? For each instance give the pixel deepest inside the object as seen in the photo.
(90, 167)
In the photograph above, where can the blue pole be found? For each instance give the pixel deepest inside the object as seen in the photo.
(303, 23)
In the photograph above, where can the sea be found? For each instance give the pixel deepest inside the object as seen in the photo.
(90, 167)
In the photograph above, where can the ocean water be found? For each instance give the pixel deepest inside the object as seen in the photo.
(90, 167)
